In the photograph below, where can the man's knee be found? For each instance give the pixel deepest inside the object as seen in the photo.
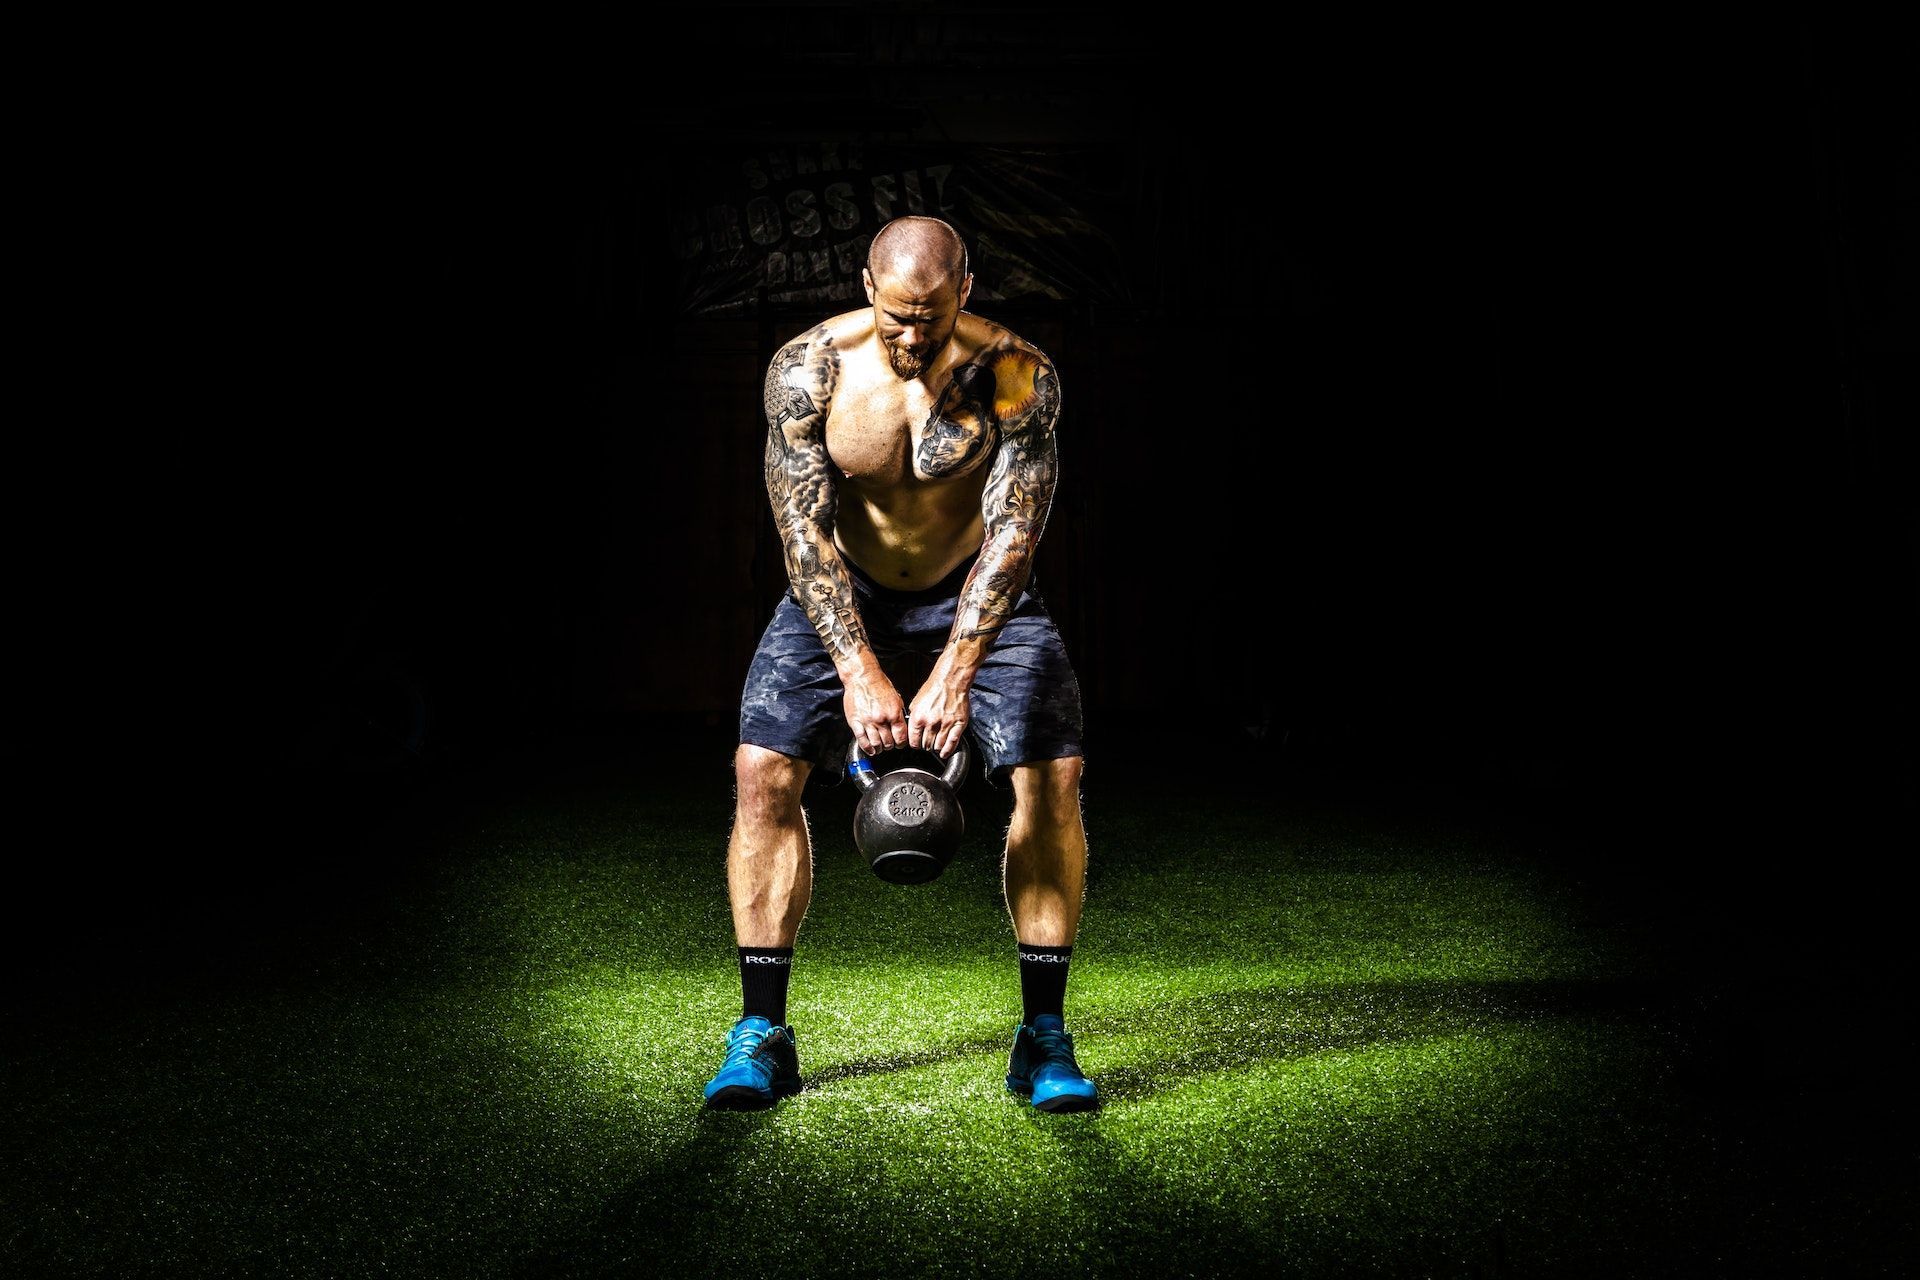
(1047, 792)
(767, 784)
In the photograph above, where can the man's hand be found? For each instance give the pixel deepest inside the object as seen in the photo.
(940, 709)
(875, 712)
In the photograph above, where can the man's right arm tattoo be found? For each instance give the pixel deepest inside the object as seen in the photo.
(799, 392)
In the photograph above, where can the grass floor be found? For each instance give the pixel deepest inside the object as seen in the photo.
(1334, 1036)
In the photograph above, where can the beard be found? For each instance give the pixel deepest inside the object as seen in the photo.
(905, 363)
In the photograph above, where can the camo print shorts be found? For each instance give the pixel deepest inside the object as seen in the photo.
(1024, 705)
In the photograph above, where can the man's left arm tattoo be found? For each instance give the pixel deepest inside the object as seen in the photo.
(1026, 406)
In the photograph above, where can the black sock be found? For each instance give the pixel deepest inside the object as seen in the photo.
(1043, 980)
(763, 983)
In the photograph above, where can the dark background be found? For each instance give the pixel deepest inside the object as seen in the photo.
(1521, 411)
(1541, 398)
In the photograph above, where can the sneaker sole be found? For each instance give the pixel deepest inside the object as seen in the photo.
(1067, 1102)
(737, 1097)
(1060, 1102)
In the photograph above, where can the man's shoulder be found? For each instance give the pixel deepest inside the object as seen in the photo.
(986, 339)
(806, 369)
(841, 331)
(1023, 382)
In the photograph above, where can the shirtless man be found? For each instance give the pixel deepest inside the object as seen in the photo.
(910, 463)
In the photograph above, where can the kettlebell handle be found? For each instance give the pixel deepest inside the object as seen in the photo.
(860, 766)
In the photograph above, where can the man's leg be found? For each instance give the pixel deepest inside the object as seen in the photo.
(769, 883)
(1046, 868)
(1046, 872)
(769, 859)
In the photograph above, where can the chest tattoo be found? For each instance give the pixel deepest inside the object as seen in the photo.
(979, 398)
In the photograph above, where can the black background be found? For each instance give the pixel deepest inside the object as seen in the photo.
(1524, 409)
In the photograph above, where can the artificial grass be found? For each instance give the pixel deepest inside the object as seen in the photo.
(1331, 1037)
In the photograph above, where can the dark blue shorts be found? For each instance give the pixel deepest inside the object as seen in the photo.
(1024, 705)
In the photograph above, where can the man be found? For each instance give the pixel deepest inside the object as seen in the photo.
(910, 464)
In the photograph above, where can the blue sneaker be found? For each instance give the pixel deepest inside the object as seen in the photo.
(1042, 1066)
(762, 1066)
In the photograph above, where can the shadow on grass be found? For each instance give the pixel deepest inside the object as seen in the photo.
(686, 1214)
(907, 1061)
(1224, 1030)
(690, 1212)
(1227, 1029)
(1145, 1227)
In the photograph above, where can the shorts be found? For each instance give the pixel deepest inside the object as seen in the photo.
(1024, 705)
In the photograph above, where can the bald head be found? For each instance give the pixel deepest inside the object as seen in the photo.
(917, 280)
(923, 252)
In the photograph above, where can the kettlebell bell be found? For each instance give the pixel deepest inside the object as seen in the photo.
(909, 822)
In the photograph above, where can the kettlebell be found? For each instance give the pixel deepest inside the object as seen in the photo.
(909, 822)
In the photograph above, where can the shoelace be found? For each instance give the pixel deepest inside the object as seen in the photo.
(742, 1044)
(1055, 1046)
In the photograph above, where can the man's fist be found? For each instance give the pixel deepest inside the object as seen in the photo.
(874, 710)
(940, 711)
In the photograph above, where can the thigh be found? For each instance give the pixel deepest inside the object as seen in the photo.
(793, 701)
(1025, 704)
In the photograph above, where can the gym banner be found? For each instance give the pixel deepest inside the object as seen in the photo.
(791, 223)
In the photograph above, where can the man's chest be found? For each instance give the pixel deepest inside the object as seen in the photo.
(888, 432)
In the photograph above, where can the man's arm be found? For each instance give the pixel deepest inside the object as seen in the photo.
(799, 391)
(1014, 509)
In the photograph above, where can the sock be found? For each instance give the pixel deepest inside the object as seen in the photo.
(763, 983)
(1043, 980)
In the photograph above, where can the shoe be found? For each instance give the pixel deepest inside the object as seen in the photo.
(762, 1066)
(1042, 1066)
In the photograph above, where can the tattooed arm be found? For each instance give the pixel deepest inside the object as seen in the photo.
(799, 392)
(1026, 405)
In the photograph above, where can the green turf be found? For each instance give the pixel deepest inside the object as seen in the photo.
(1331, 1039)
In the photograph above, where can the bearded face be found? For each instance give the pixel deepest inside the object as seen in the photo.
(915, 320)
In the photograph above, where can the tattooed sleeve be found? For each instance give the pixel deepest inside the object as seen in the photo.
(799, 390)
(1025, 402)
